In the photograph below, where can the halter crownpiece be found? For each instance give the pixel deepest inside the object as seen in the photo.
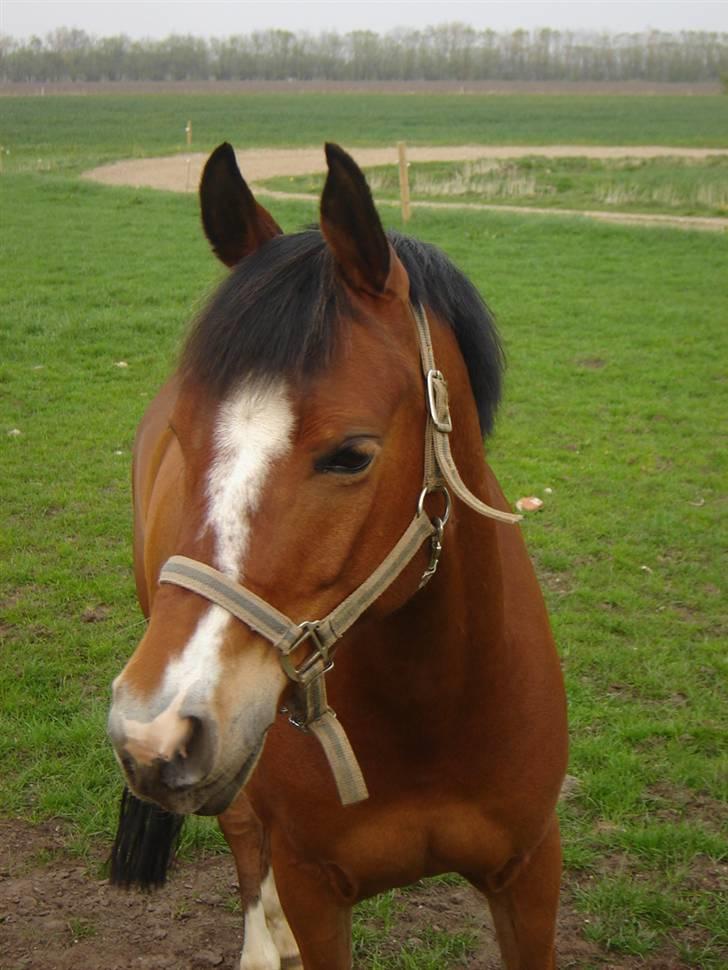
(309, 709)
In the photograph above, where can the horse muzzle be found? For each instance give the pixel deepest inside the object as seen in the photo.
(165, 758)
(173, 759)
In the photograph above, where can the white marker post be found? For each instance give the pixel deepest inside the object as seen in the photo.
(188, 132)
(404, 192)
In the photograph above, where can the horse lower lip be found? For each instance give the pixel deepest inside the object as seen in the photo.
(218, 802)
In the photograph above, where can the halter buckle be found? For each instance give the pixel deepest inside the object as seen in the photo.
(300, 675)
(435, 379)
(435, 552)
(438, 523)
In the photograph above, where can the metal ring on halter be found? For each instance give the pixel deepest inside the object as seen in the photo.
(448, 501)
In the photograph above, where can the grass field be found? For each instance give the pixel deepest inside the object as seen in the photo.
(676, 186)
(615, 401)
(72, 132)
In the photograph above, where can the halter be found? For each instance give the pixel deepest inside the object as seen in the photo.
(308, 709)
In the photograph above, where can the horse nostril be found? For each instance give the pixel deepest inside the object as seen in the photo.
(193, 760)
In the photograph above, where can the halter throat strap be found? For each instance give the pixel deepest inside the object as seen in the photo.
(308, 708)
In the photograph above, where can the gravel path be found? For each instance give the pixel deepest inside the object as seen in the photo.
(181, 173)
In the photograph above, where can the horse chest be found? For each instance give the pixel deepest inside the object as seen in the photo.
(397, 844)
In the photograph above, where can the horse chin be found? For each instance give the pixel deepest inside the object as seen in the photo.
(222, 798)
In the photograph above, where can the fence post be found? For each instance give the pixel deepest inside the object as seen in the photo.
(404, 193)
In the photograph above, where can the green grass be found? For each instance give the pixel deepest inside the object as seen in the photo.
(427, 948)
(615, 400)
(72, 132)
(667, 185)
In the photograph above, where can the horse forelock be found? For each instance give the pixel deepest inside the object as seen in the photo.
(281, 312)
(277, 314)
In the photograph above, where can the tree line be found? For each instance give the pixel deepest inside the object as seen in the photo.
(452, 51)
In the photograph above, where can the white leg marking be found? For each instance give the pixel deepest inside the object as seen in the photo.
(259, 950)
(276, 919)
(254, 427)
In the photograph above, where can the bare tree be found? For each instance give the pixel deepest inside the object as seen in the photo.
(451, 51)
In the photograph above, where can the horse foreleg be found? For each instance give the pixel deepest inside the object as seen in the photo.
(318, 912)
(524, 906)
(280, 931)
(265, 947)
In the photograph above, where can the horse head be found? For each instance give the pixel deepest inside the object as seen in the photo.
(290, 460)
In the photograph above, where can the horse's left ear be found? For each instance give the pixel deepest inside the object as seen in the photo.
(234, 222)
(353, 230)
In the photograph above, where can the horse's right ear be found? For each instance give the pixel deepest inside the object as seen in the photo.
(234, 222)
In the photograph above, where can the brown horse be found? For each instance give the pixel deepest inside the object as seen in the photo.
(307, 447)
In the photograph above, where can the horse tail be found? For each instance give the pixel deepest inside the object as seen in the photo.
(145, 844)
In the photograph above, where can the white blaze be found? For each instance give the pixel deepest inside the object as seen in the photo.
(198, 665)
(253, 429)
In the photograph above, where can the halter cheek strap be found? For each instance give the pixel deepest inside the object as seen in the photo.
(440, 468)
(309, 709)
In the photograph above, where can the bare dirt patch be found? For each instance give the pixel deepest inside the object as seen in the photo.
(181, 173)
(58, 913)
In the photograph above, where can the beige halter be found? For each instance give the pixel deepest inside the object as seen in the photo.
(309, 707)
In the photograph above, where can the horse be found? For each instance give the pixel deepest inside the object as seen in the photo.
(318, 454)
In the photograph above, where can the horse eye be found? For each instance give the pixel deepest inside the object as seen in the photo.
(344, 461)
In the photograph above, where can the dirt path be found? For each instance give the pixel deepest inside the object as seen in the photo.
(181, 173)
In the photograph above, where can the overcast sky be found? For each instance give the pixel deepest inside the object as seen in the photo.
(218, 18)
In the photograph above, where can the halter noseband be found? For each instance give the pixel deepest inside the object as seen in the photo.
(309, 709)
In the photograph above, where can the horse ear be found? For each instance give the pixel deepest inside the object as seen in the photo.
(351, 226)
(234, 222)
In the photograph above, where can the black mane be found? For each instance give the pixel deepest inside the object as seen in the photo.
(280, 312)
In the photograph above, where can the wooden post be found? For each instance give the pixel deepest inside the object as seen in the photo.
(404, 193)
(188, 132)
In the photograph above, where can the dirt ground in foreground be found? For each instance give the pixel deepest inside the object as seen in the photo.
(57, 913)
